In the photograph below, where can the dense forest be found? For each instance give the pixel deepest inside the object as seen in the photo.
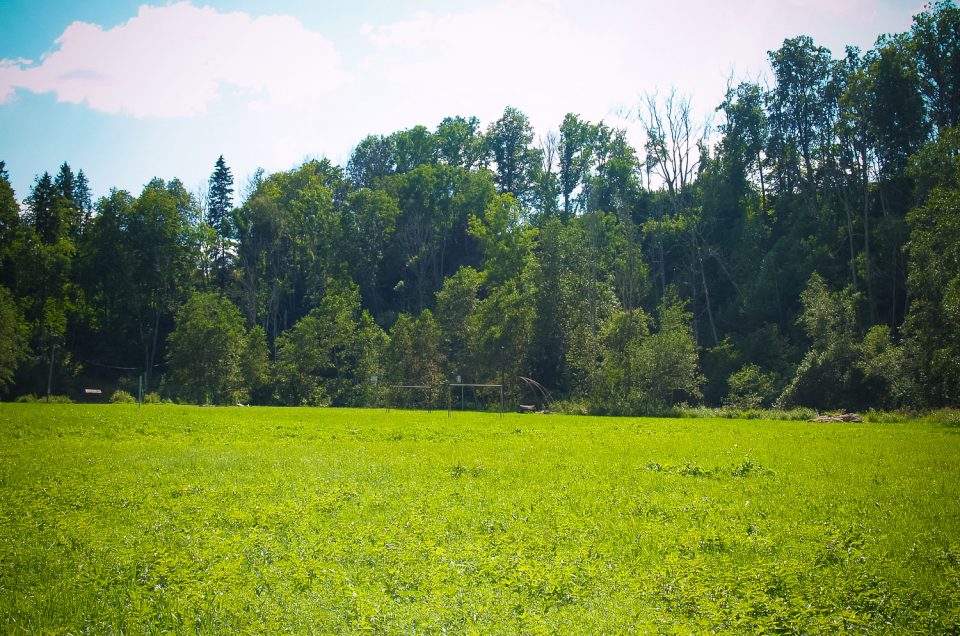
(804, 251)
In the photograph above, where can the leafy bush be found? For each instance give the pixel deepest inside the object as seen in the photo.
(797, 414)
(51, 399)
(154, 398)
(843, 369)
(751, 388)
(784, 414)
(122, 397)
(945, 417)
(570, 407)
(204, 349)
(13, 337)
(886, 417)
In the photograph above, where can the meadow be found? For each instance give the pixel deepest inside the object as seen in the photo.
(176, 519)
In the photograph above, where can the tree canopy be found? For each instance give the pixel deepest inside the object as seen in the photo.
(801, 250)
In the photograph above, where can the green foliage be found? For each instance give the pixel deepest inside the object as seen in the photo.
(801, 108)
(431, 240)
(644, 371)
(933, 323)
(944, 417)
(301, 359)
(456, 303)
(825, 377)
(370, 221)
(751, 388)
(501, 329)
(669, 370)
(46, 399)
(10, 234)
(13, 338)
(841, 370)
(618, 388)
(253, 368)
(505, 239)
(154, 398)
(894, 105)
(413, 148)
(845, 166)
(329, 356)
(459, 142)
(509, 140)
(414, 357)
(885, 370)
(936, 50)
(205, 350)
(219, 208)
(122, 397)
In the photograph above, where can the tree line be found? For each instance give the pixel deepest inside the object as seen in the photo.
(803, 252)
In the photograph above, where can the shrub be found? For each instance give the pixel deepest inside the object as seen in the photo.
(570, 407)
(751, 388)
(51, 399)
(122, 397)
(886, 417)
(945, 417)
(154, 398)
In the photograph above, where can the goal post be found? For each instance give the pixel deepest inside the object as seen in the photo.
(414, 389)
(463, 385)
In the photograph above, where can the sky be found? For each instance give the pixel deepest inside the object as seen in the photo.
(128, 91)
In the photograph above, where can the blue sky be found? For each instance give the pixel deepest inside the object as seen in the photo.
(128, 91)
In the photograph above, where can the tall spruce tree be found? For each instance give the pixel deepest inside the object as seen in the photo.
(44, 209)
(219, 207)
(82, 196)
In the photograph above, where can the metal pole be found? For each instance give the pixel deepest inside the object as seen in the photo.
(140, 392)
(501, 380)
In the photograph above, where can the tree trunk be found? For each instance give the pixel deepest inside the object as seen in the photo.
(151, 356)
(50, 373)
(853, 254)
(866, 240)
(763, 190)
(706, 296)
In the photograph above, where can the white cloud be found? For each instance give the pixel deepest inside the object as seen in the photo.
(174, 61)
(270, 91)
(548, 57)
(416, 31)
(531, 54)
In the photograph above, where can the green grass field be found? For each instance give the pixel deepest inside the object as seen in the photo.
(212, 520)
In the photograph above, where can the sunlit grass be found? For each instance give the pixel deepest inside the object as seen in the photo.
(118, 519)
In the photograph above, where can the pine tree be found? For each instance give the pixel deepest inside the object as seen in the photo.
(82, 196)
(65, 181)
(71, 216)
(45, 209)
(219, 206)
